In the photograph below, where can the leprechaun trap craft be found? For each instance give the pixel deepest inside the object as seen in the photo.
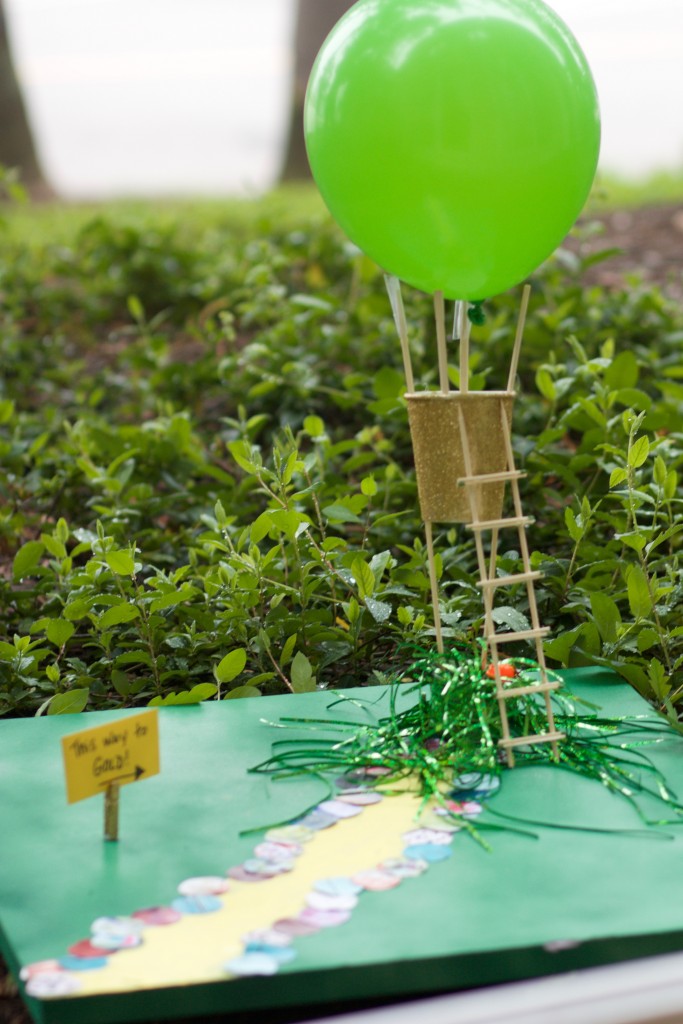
(373, 844)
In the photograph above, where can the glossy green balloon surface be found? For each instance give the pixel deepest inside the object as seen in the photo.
(454, 141)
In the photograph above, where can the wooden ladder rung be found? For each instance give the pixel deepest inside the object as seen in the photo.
(523, 741)
(520, 691)
(492, 478)
(500, 524)
(524, 634)
(509, 581)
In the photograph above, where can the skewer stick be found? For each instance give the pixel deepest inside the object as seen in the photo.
(434, 586)
(394, 289)
(456, 320)
(440, 317)
(518, 337)
(465, 327)
(111, 812)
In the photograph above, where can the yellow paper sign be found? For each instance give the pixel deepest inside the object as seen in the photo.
(120, 752)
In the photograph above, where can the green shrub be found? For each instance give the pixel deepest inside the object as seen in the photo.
(206, 477)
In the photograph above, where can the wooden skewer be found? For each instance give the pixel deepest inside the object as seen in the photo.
(111, 812)
(518, 337)
(465, 327)
(456, 320)
(434, 586)
(440, 317)
(395, 298)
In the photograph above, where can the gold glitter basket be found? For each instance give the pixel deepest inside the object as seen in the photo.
(434, 419)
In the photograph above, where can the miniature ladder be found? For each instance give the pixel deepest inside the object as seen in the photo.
(489, 583)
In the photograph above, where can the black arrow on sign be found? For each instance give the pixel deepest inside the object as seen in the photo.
(135, 775)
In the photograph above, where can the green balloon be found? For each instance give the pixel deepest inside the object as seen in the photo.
(454, 141)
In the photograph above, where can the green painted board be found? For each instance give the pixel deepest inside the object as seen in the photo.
(531, 906)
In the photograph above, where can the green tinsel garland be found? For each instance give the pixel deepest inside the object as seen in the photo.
(452, 730)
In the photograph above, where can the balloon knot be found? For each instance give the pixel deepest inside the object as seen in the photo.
(476, 314)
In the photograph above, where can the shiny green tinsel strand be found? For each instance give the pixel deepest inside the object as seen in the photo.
(452, 728)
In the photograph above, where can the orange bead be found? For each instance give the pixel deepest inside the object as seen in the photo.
(505, 670)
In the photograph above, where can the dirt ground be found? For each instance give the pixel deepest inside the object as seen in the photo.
(651, 243)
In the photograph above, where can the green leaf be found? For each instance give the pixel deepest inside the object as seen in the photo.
(117, 614)
(618, 476)
(405, 616)
(261, 526)
(368, 486)
(380, 610)
(76, 609)
(243, 455)
(172, 598)
(53, 545)
(6, 410)
(659, 471)
(510, 617)
(27, 558)
(242, 691)
(135, 308)
(633, 398)
(658, 679)
(231, 665)
(638, 452)
(314, 426)
(121, 562)
(59, 631)
(288, 650)
(647, 638)
(671, 485)
(546, 384)
(574, 529)
(639, 598)
(560, 647)
(622, 371)
(337, 513)
(364, 577)
(198, 693)
(635, 541)
(606, 614)
(302, 678)
(68, 703)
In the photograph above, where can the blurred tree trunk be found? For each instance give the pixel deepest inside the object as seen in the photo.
(314, 20)
(17, 149)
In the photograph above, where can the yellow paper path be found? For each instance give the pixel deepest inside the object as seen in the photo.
(195, 948)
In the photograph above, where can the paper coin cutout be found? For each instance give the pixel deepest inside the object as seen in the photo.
(203, 885)
(266, 937)
(196, 904)
(252, 964)
(47, 985)
(431, 852)
(337, 809)
(427, 835)
(278, 851)
(323, 901)
(79, 963)
(339, 886)
(404, 867)
(295, 927)
(360, 798)
(85, 948)
(324, 918)
(157, 915)
(375, 880)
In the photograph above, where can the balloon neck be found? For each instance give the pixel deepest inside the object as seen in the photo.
(476, 314)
